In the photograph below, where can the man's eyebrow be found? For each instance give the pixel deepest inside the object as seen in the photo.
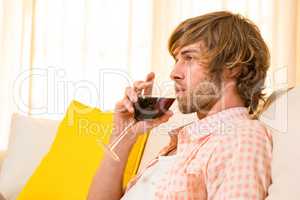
(188, 51)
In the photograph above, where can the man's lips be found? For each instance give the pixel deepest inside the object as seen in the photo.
(179, 90)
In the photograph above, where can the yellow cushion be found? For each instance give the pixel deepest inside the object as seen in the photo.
(66, 172)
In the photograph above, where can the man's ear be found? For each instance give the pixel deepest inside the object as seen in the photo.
(232, 72)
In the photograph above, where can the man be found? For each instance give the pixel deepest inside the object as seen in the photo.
(221, 64)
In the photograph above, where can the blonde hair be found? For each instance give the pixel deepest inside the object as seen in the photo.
(230, 41)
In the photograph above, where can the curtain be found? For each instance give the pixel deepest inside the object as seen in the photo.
(298, 45)
(53, 51)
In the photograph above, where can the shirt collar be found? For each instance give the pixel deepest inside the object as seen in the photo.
(211, 124)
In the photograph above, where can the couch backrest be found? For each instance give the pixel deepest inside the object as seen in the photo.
(282, 118)
(29, 141)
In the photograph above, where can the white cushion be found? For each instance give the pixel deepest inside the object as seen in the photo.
(29, 141)
(282, 119)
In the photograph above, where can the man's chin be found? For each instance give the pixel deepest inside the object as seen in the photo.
(185, 109)
(203, 108)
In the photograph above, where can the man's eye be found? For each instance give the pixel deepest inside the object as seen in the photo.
(188, 58)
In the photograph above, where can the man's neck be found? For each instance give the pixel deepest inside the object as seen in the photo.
(229, 99)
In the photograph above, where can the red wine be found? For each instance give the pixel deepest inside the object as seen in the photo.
(151, 107)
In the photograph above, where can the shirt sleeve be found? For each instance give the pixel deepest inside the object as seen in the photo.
(240, 167)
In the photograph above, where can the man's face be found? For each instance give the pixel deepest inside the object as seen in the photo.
(196, 91)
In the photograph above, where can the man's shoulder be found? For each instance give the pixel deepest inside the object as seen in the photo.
(245, 127)
(245, 131)
(247, 138)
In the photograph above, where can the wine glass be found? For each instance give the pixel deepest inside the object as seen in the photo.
(146, 108)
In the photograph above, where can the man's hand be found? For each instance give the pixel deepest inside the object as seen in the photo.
(124, 110)
(107, 183)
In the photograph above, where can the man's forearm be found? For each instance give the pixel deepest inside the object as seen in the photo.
(107, 183)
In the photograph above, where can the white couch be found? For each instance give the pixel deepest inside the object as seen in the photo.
(31, 138)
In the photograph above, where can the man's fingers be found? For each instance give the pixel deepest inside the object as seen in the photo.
(146, 86)
(140, 85)
(125, 105)
(150, 78)
(128, 105)
(131, 94)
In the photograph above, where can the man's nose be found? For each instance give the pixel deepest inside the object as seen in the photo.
(176, 73)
